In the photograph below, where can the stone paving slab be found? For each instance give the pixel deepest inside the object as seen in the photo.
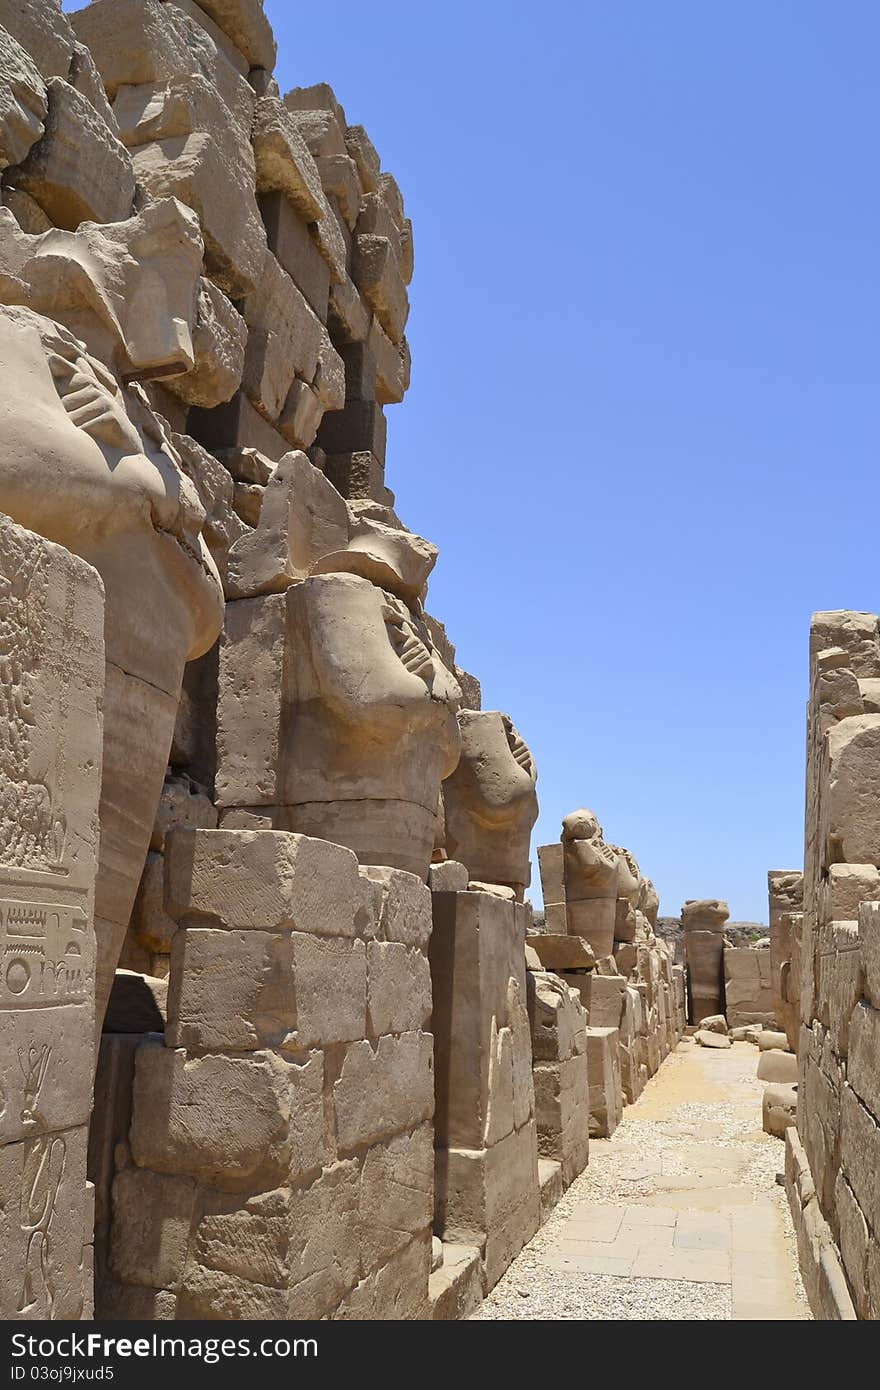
(686, 1215)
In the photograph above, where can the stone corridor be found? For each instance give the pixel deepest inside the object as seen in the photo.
(678, 1216)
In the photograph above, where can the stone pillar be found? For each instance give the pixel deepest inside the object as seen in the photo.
(748, 986)
(281, 1134)
(52, 670)
(786, 902)
(486, 1183)
(553, 888)
(703, 921)
(559, 1051)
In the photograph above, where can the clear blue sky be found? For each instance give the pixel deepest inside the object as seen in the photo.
(643, 425)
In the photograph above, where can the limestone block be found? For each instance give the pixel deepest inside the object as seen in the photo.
(349, 317)
(706, 1038)
(384, 1089)
(232, 991)
(231, 1121)
(448, 877)
(603, 1066)
(561, 952)
(848, 886)
(246, 1240)
(396, 1200)
(556, 1019)
(476, 955)
(302, 414)
(398, 1291)
(28, 214)
(78, 171)
(264, 881)
(219, 340)
(42, 1239)
(330, 976)
(456, 1287)
(294, 248)
(285, 338)
(339, 179)
(152, 1213)
(400, 562)
(213, 173)
(375, 220)
(376, 272)
(398, 988)
(325, 1247)
(393, 198)
(840, 974)
(869, 948)
(551, 866)
(855, 1244)
(322, 126)
(246, 24)
(606, 1000)
(42, 31)
(392, 364)
(223, 526)
(363, 152)
(860, 1151)
(704, 951)
(23, 102)
(863, 1061)
(779, 1108)
(402, 905)
(562, 1114)
(132, 41)
(214, 1295)
(302, 518)
(748, 989)
(853, 747)
(284, 164)
(232, 53)
(490, 1194)
(855, 633)
(775, 1065)
(252, 651)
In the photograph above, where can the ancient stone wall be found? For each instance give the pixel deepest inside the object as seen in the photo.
(279, 1157)
(833, 1157)
(52, 664)
(749, 996)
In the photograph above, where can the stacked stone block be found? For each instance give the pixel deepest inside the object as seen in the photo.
(749, 996)
(559, 1070)
(51, 644)
(279, 1161)
(837, 1146)
(486, 1187)
(786, 901)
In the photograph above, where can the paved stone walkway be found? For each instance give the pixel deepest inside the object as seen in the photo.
(677, 1216)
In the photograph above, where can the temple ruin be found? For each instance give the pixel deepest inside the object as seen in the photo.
(282, 1036)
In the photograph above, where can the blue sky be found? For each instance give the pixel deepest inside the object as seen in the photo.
(644, 416)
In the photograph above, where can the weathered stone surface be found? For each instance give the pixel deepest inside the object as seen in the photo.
(590, 870)
(325, 1251)
(78, 171)
(398, 988)
(43, 32)
(603, 1067)
(264, 881)
(284, 339)
(152, 1213)
(23, 102)
(383, 1088)
(779, 1108)
(284, 163)
(490, 1193)
(775, 1065)
(227, 1120)
(396, 1200)
(245, 22)
(456, 1288)
(219, 340)
(302, 518)
(232, 991)
(213, 173)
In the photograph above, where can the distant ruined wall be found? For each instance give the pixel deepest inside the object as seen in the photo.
(833, 1159)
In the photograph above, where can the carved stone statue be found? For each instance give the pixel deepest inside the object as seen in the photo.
(490, 801)
(85, 462)
(591, 869)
